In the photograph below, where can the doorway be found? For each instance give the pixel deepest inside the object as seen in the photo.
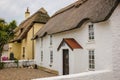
(65, 61)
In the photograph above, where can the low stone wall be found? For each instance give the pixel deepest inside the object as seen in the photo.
(11, 63)
(92, 75)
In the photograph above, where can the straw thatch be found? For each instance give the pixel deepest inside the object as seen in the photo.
(40, 16)
(74, 15)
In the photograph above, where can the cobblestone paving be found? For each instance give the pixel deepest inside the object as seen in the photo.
(23, 74)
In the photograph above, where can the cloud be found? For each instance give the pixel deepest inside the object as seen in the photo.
(14, 9)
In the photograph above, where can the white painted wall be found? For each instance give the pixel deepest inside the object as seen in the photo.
(78, 58)
(5, 54)
(103, 48)
(107, 51)
(37, 52)
(115, 23)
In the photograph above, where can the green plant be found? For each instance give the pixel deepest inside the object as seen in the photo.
(17, 62)
(2, 65)
(6, 33)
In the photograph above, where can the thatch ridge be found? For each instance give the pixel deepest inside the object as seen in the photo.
(76, 4)
(41, 16)
(73, 17)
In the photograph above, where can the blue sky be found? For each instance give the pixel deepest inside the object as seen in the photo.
(14, 9)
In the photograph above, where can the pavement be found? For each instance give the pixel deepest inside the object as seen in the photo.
(23, 74)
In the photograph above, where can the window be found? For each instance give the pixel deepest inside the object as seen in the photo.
(50, 39)
(41, 56)
(41, 42)
(51, 56)
(21, 30)
(23, 52)
(91, 60)
(91, 32)
(23, 49)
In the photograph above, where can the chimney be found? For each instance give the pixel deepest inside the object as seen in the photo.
(27, 13)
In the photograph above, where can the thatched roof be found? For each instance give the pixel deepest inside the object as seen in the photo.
(74, 15)
(41, 16)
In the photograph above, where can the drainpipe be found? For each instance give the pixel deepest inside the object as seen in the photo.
(33, 44)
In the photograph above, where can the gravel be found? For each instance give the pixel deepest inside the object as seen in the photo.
(23, 74)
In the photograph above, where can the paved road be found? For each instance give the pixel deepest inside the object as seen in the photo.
(22, 74)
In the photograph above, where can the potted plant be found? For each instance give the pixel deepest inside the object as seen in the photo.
(17, 62)
(2, 65)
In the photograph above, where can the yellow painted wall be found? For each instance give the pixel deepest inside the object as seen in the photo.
(28, 43)
(16, 49)
(37, 27)
(23, 45)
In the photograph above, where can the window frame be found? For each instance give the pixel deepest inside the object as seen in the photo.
(91, 60)
(41, 55)
(23, 55)
(51, 39)
(91, 32)
(51, 56)
(41, 42)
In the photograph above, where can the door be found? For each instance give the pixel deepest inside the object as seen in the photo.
(65, 61)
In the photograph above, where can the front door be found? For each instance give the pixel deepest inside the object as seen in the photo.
(65, 61)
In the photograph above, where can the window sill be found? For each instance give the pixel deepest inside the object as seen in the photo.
(50, 46)
(91, 69)
(91, 41)
(50, 64)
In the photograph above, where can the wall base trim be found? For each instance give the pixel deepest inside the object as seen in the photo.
(48, 70)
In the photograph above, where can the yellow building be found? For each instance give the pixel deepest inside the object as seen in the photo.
(22, 46)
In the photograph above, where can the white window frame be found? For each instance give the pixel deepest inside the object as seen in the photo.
(41, 52)
(41, 55)
(91, 60)
(51, 56)
(51, 39)
(91, 32)
(41, 42)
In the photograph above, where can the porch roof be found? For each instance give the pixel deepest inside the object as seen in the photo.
(71, 42)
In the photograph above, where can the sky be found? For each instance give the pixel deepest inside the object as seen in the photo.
(15, 9)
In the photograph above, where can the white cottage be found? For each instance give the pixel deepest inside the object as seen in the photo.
(79, 37)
